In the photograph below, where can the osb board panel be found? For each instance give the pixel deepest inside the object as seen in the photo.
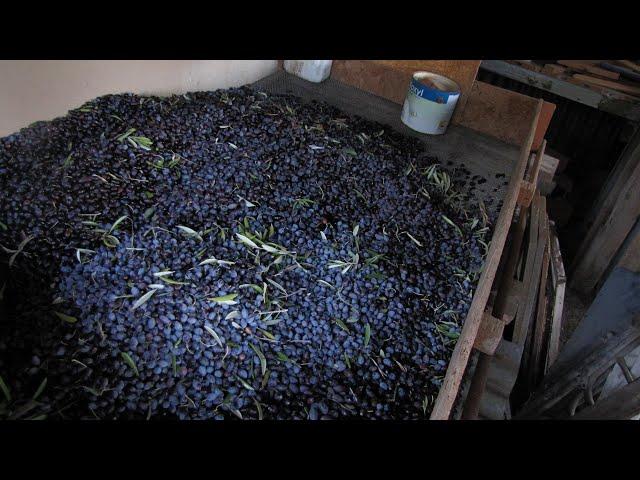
(504, 114)
(390, 78)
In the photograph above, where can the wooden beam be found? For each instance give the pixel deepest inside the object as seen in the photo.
(531, 275)
(585, 67)
(559, 281)
(611, 101)
(563, 380)
(619, 86)
(540, 329)
(622, 404)
(617, 214)
(460, 357)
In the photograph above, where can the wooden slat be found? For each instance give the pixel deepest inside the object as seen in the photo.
(585, 67)
(530, 284)
(507, 282)
(611, 101)
(460, 357)
(524, 333)
(553, 69)
(564, 379)
(541, 318)
(622, 404)
(621, 87)
(629, 64)
(559, 281)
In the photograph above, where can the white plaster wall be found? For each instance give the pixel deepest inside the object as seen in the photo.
(32, 90)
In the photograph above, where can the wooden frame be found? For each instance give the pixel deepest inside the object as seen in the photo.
(459, 359)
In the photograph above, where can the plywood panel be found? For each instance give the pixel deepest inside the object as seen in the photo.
(390, 78)
(504, 114)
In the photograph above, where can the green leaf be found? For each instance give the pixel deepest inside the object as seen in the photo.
(350, 151)
(117, 222)
(263, 360)
(171, 281)
(5, 389)
(269, 335)
(129, 361)
(40, 389)
(143, 299)
(247, 241)
(190, 232)
(225, 299)
(92, 391)
(343, 326)
(215, 336)
(259, 408)
(148, 213)
(413, 239)
(282, 357)
(212, 260)
(245, 384)
(367, 334)
(66, 318)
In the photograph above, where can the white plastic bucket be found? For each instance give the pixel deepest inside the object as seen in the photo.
(430, 103)
(313, 70)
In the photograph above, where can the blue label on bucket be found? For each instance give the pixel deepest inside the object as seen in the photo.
(431, 94)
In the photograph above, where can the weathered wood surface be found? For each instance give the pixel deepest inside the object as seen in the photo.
(448, 391)
(617, 212)
(390, 79)
(559, 281)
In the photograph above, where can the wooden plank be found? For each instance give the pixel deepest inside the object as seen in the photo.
(618, 213)
(390, 79)
(489, 334)
(530, 285)
(553, 69)
(535, 170)
(585, 67)
(564, 379)
(625, 72)
(507, 281)
(629, 64)
(622, 404)
(541, 316)
(503, 114)
(526, 332)
(619, 86)
(546, 114)
(559, 280)
(530, 185)
(460, 357)
(611, 101)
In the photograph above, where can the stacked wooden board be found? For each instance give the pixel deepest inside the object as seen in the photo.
(621, 77)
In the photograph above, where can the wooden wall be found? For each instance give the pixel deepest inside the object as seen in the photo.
(491, 110)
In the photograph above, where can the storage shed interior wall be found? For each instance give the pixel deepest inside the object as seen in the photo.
(33, 90)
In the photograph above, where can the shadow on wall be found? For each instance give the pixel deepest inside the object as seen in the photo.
(33, 90)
